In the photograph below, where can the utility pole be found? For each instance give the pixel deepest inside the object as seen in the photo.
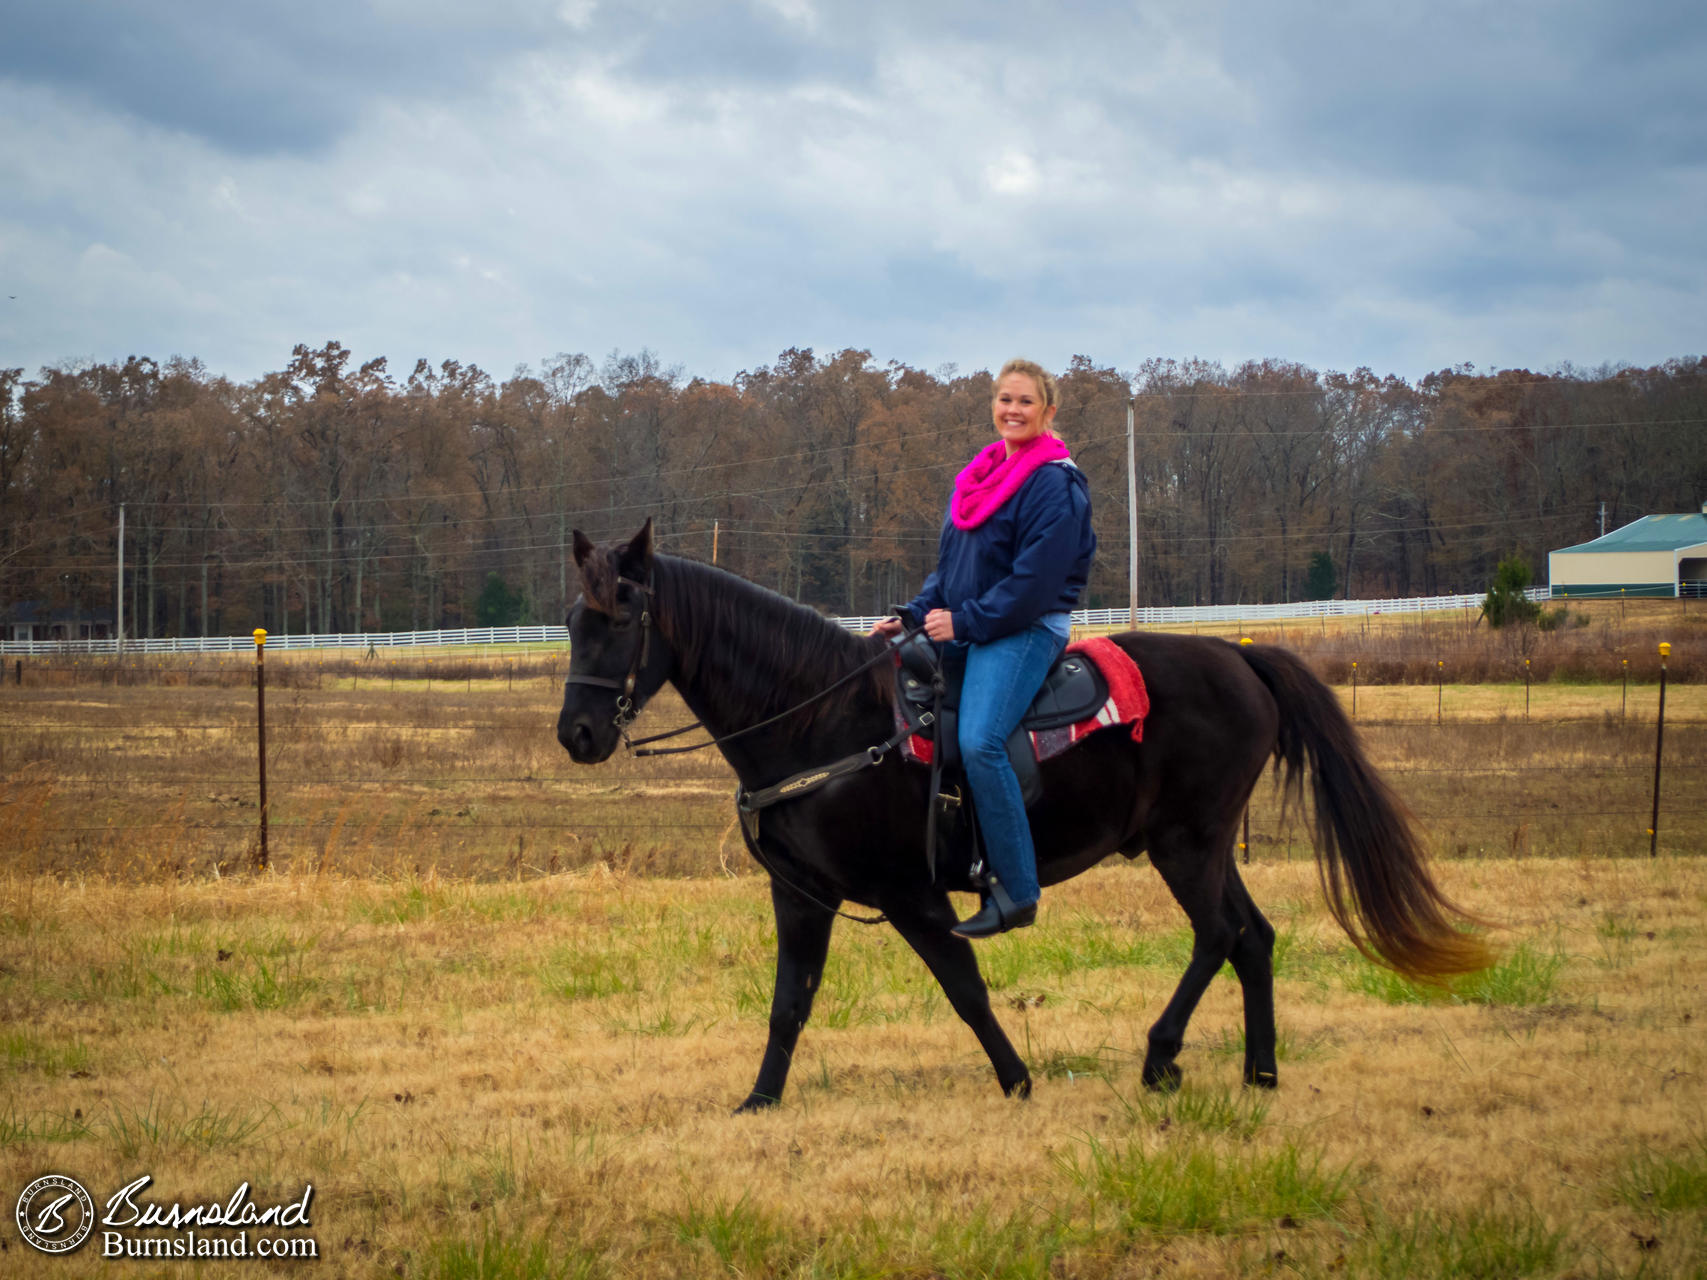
(120, 631)
(1131, 517)
(1603, 518)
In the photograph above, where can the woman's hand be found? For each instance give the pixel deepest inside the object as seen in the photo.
(939, 625)
(888, 627)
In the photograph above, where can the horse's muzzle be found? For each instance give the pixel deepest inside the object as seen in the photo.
(581, 742)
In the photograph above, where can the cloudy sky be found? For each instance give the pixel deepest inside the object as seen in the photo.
(1341, 182)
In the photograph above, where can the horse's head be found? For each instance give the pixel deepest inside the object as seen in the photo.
(617, 660)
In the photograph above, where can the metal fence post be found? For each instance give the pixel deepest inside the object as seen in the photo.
(1659, 749)
(261, 856)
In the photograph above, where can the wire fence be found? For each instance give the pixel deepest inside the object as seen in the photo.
(465, 777)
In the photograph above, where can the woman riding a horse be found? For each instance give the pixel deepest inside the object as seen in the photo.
(1014, 554)
(781, 689)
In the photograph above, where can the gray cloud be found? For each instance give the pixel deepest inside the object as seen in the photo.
(264, 78)
(1404, 189)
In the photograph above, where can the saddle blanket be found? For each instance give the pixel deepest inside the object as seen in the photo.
(1128, 703)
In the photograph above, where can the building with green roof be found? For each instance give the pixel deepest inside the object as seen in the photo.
(1653, 556)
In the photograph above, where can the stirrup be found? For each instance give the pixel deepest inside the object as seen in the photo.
(998, 913)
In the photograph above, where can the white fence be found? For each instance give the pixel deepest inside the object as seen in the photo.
(1100, 618)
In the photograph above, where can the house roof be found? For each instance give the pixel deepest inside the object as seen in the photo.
(1650, 533)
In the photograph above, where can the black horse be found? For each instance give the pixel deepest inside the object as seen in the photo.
(739, 655)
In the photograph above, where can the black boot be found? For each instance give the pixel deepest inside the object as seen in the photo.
(997, 915)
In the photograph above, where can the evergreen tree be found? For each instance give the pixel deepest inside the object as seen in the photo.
(1505, 601)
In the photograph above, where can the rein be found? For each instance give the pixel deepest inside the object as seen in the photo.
(625, 713)
(639, 745)
(748, 804)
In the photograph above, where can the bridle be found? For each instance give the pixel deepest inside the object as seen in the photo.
(625, 712)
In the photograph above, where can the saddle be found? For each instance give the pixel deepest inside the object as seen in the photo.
(1073, 692)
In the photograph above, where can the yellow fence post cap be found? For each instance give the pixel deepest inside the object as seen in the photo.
(1665, 649)
(260, 637)
(1246, 640)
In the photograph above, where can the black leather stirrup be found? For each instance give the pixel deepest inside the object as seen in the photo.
(998, 913)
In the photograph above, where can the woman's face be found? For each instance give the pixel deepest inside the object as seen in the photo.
(1018, 410)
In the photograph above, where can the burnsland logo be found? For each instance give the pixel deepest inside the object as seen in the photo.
(56, 1214)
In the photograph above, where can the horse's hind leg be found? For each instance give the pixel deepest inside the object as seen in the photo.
(802, 942)
(952, 963)
(1253, 961)
(1199, 883)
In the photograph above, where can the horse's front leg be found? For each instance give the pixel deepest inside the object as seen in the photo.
(951, 961)
(802, 942)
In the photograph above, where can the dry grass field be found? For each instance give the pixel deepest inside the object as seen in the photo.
(534, 1079)
(496, 1008)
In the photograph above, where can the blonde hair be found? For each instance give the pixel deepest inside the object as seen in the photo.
(1037, 373)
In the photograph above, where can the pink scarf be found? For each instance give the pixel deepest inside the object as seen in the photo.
(993, 477)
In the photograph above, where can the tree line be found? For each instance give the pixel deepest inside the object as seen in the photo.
(337, 496)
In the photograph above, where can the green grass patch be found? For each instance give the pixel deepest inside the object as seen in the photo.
(22, 1051)
(1200, 1186)
(162, 1125)
(18, 1128)
(410, 904)
(1078, 943)
(1068, 1063)
(241, 983)
(1232, 1113)
(575, 974)
(1482, 1244)
(988, 1244)
(1665, 1183)
(744, 1239)
(1525, 977)
(1306, 959)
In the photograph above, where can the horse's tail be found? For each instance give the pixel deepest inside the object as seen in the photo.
(1371, 863)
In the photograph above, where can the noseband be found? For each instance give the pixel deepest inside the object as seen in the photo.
(625, 712)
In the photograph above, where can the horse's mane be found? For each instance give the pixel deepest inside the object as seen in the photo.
(765, 651)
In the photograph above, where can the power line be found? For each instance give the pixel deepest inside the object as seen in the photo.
(288, 562)
(820, 452)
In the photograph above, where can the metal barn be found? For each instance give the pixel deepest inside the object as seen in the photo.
(1653, 556)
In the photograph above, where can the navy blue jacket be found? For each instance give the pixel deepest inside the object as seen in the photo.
(1028, 559)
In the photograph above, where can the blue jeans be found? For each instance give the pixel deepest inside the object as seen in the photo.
(1002, 677)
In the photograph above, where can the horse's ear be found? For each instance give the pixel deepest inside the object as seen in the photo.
(583, 549)
(637, 555)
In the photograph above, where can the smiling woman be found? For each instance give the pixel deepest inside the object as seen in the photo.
(1014, 556)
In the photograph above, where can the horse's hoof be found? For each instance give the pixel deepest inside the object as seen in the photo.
(1020, 1088)
(1164, 1078)
(755, 1102)
(1262, 1080)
